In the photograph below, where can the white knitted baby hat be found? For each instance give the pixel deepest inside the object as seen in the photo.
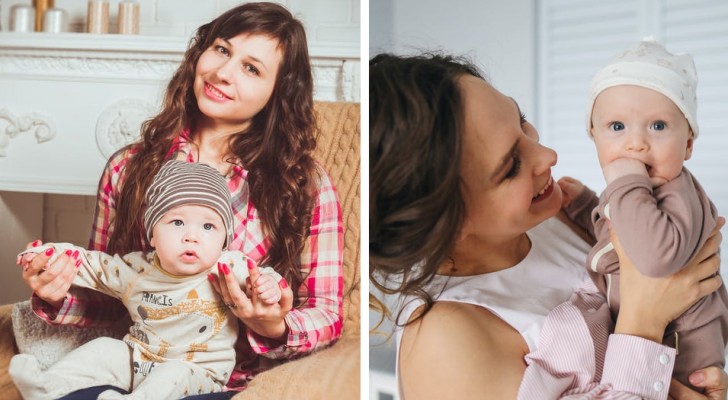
(650, 65)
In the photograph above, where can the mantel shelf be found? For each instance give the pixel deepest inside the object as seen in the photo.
(114, 43)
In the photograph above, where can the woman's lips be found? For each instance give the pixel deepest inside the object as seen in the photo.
(545, 191)
(215, 94)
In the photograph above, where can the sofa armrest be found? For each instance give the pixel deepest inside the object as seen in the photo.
(7, 350)
(332, 373)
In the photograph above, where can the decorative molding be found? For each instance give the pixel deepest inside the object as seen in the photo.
(42, 126)
(120, 124)
(83, 68)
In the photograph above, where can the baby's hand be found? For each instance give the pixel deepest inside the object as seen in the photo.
(267, 288)
(570, 189)
(623, 167)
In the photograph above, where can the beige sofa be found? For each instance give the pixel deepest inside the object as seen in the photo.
(332, 373)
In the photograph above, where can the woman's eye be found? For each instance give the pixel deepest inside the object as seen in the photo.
(208, 226)
(658, 125)
(523, 118)
(251, 69)
(221, 49)
(177, 222)
(515, 168)
(616, 126)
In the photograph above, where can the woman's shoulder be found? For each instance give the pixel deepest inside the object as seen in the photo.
(445, 314)
(459, 334)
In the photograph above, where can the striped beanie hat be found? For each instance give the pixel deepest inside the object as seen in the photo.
(181, 183)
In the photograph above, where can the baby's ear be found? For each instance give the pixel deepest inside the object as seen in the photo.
(689, 146)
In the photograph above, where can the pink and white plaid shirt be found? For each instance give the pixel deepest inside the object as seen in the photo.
(313, 323)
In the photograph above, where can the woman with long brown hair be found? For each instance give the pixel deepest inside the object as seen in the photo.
(241, 102)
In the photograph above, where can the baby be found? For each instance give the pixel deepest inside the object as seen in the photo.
(183, 335)
(642, 114)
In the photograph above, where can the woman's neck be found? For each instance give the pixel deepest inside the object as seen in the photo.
(473, 255)
(213, 144)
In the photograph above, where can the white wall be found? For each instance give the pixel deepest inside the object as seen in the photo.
(499, 36)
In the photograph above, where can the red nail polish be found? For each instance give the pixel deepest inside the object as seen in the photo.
(251, 264)
(68, 252)
(78, 263)
(49, 252)
(75, 254)
(211, 277)
(219, 267)
(35, 243)
(225, 269)
(283, 283)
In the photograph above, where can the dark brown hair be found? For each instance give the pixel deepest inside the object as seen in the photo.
(276, 148)
(415, 205)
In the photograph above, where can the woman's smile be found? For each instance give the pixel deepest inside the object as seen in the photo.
(215, 94)
(545, 191)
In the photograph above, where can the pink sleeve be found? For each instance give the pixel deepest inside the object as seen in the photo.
(317, 321)
(577, 358)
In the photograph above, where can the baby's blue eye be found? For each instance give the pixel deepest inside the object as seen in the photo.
(658, 125)
(177, 222)
(208, 226)
(616, 126)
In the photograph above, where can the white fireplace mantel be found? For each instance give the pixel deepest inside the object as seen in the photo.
(68, 101)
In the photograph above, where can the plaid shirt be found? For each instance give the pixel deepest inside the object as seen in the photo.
(315, 322)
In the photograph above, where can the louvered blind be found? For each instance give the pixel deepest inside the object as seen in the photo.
(578, 37)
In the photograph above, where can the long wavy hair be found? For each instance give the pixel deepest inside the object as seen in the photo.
(276, 148)
(416, 207)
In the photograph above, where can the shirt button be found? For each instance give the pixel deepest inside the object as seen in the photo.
(664, 359)
(658, 386)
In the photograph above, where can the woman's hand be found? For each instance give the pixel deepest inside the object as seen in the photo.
(256, 311)
(713, 379)
(50, 282)
(649, 304)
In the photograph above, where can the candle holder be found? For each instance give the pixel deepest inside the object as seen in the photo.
(128, 17)
(97, 20)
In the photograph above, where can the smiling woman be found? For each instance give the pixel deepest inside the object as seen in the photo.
(241, 102)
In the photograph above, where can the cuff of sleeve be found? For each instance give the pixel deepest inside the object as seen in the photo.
(272, 348)
(47, 312)
(629, 181)
(639, 366)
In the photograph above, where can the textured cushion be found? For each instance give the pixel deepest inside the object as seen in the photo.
(49, 343)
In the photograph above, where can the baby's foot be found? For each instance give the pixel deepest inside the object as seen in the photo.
(28, 377)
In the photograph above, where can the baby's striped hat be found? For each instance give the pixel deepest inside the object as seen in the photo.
(182, 183)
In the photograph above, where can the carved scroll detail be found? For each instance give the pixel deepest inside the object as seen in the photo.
(41, 126)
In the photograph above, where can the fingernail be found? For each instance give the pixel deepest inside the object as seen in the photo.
(696, 378)
(35, 243)
(49, 252)
(225, 269)
(251, 264)
(283, 284)
(69, 252)
(219, 268)
(211, 277)
(78, 262)
(75, 254)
